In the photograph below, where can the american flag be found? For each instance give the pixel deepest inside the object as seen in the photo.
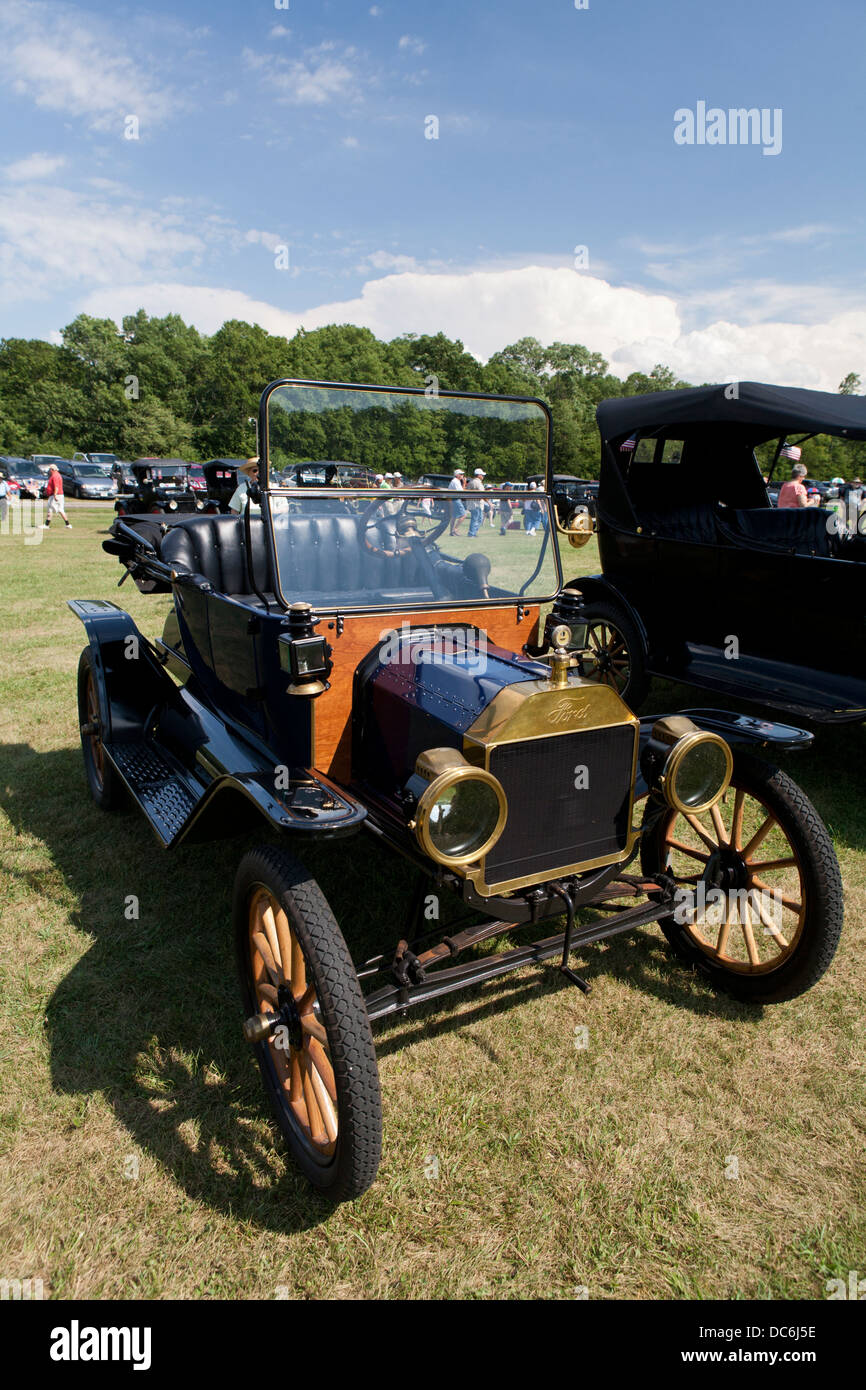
(628, 444)
(791, 451)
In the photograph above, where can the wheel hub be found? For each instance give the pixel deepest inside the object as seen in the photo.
(289, 1016)
(726, 869)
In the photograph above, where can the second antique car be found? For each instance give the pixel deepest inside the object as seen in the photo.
(333, 663)
(161, 485)
(703, 579)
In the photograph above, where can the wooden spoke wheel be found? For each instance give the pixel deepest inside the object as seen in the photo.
(307, 1021)
(614, 654)
(759, 895)
(104, 784)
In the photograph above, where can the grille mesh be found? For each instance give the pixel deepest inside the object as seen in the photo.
(551, 823)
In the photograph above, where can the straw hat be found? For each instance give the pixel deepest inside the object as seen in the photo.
(248, 466)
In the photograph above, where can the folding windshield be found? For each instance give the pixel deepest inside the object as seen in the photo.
(384, 498)
(407, 432)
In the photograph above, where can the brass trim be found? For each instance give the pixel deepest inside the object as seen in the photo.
(537, 709)
(444, 767)
(667, 780)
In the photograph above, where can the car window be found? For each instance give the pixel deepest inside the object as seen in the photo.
(672, 451)
(347, 550)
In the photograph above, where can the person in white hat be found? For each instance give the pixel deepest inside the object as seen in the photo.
(476, 506)
(54, 493)
(458, 510)
(247, 472)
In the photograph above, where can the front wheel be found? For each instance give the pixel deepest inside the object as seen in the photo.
(615, 652)
(104, 783)
(307, 1022)
(759, 893)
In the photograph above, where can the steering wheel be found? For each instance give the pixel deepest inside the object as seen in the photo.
(404, 521)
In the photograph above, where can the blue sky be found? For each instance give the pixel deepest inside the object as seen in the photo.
(263, 127)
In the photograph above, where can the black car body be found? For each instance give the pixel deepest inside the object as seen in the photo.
(718, 587)
(328, 668)
(87, 480)
(221, 481)
(161, 485)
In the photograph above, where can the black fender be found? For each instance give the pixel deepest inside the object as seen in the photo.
(596, 586)
(738, 730)
(130, 680)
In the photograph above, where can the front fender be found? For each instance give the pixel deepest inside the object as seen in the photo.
(735, 729)
(595, 586)
(130, 681)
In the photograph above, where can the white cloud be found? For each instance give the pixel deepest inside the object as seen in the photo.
(387, 260)
(351, 142)
(279, 31)
(269, 239)
(375, 11)
(49, 243)
(487, 309)
(35, 166)
(410, 44)
(66, 60)
(315, 80)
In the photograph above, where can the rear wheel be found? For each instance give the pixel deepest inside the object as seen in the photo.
(307, 1022)
(766, 915)
(615, 653)
(104, 783)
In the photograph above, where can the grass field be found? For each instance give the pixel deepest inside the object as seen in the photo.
(137, 1159)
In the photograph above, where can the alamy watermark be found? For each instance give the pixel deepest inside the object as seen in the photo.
(713, 125)
(439, 646)
(712, 907)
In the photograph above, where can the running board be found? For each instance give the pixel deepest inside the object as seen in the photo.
(165, 797)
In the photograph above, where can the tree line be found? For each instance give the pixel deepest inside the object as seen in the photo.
(157, 386)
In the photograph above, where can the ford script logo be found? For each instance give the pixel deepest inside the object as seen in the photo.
(566, 710)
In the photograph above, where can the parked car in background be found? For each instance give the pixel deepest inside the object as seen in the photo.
(197, 480)
(704, 581)
(44, 461)
(83, 479)
(121, 472)
(221, 478)
(105, 461)
(161, 485)
(570, 494)
(30, 481)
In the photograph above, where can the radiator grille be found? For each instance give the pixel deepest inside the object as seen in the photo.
(553, 824)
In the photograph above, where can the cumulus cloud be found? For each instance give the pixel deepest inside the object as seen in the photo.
(314, 80)
(49, 243)
(35, 166)
(410, 44)
(487, 309)
(66, 60)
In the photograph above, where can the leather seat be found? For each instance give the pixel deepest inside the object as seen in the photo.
(322, 559)
(801, 530)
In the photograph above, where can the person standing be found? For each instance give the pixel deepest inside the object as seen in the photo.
(4, 503)
(793, 493)
(504, 510)
(247, 473)
(54, 493)
(476, 505)
(458, 509)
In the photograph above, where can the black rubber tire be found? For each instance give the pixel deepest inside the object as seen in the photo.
(600, 610)
(822, 927)
(105, 788)
(355, 1162)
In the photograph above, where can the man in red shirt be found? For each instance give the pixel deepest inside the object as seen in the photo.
(54, 493)
(793, 493)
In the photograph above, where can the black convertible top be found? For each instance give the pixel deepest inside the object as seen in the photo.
(770, 410)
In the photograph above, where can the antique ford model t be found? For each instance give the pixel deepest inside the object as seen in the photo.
(161, 485)
(704, 580)
(333, 662)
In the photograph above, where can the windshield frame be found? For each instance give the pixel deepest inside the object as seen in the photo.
(449, 605)
(368, 496)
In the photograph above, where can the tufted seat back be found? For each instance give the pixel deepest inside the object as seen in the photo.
(800, 529)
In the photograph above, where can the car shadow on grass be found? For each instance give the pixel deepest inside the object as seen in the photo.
(149, 1015)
